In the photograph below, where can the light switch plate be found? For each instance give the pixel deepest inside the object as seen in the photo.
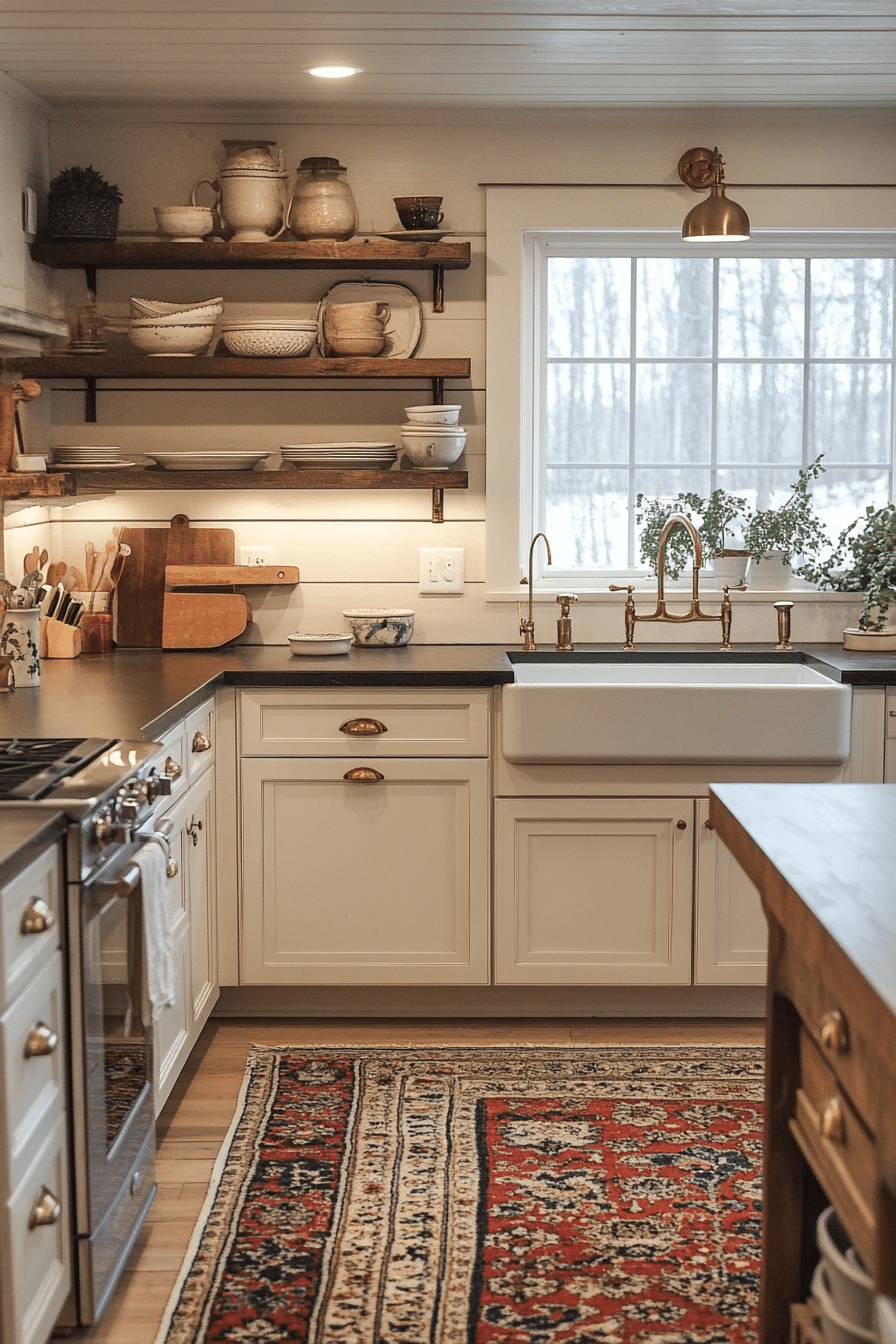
(441, 570)
(257, 555)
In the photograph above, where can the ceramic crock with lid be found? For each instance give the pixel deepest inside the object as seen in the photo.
(322, 204)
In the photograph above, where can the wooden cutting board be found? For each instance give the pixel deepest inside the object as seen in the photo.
(141, 589)
(203, 620)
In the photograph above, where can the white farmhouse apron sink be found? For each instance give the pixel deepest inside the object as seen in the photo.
(616, 710)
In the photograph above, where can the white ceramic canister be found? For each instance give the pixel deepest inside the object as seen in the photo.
(20, 640)
(322, 204)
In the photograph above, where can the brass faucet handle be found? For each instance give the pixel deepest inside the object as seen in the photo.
(564, 599)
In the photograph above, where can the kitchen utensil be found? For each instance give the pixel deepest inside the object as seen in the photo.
(203, 620)
(31, 561)
(121, 555)
(89, 558)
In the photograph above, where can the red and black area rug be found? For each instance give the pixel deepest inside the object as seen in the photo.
(483, 1196)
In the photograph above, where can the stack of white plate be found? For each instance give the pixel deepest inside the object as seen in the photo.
(88, 458)
(220, 459)
(341, 456)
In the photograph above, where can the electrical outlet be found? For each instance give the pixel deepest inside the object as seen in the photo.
(257, 555)
(441, 570)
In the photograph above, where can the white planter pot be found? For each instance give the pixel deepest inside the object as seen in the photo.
(730, 570)
(870, 641)
(771, 573)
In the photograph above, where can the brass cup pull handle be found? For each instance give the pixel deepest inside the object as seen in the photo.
(47, 1210)
(832, 1123)
(41, 1040)
(363, 774)
(834, 1033)
(38, 916)
(201, 742)
(171, 868)
(363, 727)
(172, 769)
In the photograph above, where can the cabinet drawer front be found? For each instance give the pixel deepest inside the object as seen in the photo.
(36, 1270)
(354, 882)
(24, 899)
(839, 1147)
(33, 1065)
(320, 723)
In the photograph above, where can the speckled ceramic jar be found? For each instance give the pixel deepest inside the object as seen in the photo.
(322, 204)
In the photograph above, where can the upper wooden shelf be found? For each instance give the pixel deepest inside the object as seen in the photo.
(234, 366)
(356, 254)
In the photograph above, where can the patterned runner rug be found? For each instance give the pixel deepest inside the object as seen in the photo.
(483, 1196)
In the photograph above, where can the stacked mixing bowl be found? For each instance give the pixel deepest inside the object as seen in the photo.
(431, 437)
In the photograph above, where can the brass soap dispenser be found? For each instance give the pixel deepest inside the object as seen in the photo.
(564, 623)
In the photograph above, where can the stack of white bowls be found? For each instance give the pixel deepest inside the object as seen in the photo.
(432, 438)
(159, 328)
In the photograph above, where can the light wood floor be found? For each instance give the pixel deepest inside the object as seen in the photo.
(199, 1111)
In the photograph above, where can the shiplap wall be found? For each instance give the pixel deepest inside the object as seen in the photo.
(356, 548)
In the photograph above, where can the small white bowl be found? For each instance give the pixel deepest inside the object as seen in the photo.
(432, 448)
(172, 339)
(432, 415)
(210, 309)
(318, 646)
(184, 223)
(846, 1279)
(380, 627)
(835, 1327)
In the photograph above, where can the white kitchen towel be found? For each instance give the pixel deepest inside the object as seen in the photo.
(158, 958)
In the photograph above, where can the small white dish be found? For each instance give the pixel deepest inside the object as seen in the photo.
(413, 235)
(318, 646)
(432, 415)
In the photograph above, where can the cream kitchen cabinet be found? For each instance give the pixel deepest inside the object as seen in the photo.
(364, 849)
(35, 1213)
(730, 928)
(593, 890)
(189, 822)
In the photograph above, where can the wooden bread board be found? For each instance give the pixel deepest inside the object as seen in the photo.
(222, 576)
(203, 620)
(141, 589)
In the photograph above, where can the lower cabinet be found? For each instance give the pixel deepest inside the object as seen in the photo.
(620, 891)
(365, 872)
(191, 893)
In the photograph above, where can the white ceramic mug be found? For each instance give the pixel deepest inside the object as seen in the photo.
(20, 640)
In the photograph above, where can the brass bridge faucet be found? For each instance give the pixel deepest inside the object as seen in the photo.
(661, 614)
(527, 627)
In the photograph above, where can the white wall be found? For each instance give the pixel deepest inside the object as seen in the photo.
(361, 549)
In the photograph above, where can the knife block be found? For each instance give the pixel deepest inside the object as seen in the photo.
(58, 640)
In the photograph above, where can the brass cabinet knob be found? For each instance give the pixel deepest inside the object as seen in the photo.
(172, 769)
(363, 774)
(38, 916)
(834, 1033)
(682, 825)
(201, 742)
(363, 727)
(832, 1123)
(41, 1040)
(47, 1210)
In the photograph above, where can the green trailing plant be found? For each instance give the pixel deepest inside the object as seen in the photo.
(863, 561)
(82, 184)
(792, 528)
(713, 518)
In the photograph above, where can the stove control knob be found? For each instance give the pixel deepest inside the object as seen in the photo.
(157, 786)
(127, 809)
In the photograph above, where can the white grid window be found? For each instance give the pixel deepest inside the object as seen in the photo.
(664, 371)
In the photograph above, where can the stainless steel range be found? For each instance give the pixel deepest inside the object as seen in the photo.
(110, 792)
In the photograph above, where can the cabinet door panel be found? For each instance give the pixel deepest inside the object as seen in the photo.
(380, 883)
(730, 930)
(593, 891)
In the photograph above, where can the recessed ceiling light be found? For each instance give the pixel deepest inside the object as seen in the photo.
(334, 71)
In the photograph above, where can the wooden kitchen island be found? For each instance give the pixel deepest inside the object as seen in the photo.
(824, 860)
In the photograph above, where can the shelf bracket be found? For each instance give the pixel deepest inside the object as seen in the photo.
(438, 505)
(438, 391)
(438, 289)
(90, 401)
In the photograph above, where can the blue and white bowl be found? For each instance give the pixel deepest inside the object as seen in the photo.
(380, 627)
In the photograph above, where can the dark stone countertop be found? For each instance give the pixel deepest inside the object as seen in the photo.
(132, 693)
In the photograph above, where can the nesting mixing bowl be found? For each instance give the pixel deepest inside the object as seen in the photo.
(184, 223)
(383, 627)
(432, 415)
(433, 446)
(153, 336)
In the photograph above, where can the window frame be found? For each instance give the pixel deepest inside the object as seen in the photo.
(525, 226)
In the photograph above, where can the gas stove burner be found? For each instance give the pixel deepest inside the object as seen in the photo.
(30, 767)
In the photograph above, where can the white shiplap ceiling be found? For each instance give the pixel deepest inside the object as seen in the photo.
(452, 53)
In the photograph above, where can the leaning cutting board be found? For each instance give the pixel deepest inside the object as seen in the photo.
(203, 620)
(141, 589)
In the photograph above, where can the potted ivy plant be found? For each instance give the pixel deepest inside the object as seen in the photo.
(713, 518)
(776, 535)
(863, 561)
(82, 204)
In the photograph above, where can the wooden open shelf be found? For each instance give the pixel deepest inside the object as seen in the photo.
(234, 366)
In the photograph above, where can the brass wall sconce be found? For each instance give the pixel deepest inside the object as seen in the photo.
(716, 219)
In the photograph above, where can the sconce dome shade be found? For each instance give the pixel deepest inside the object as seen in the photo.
(716, 219)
